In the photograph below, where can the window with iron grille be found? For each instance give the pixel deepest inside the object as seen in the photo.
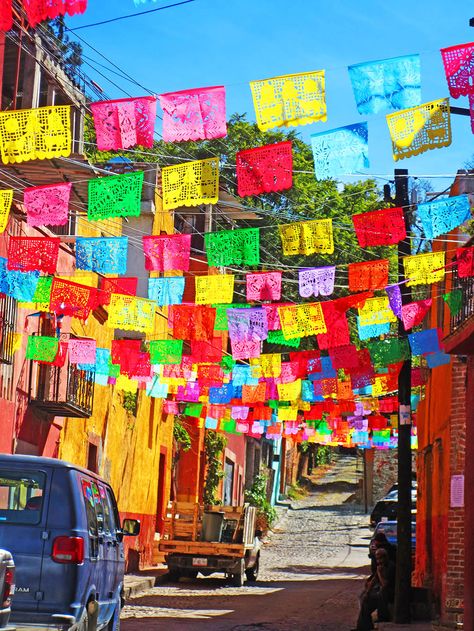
(8, 316)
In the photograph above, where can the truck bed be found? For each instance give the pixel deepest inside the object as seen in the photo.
(182, 533)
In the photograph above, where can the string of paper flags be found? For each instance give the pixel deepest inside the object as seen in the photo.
(311, 396)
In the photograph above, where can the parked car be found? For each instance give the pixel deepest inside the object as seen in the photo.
(389, 528)
(386, 508)
(7, 587)
(62, 526)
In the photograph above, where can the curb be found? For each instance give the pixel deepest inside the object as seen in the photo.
(135, 584)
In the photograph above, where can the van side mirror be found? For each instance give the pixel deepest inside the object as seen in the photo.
(131, 527)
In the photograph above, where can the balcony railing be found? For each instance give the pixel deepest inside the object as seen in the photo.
(466, 285)
(8, 315)
(62, 390)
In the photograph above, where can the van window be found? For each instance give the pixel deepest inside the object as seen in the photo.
(92, 525)
(110, 524)
(21, 496)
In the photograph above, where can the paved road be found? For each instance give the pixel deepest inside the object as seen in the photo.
(310, 577)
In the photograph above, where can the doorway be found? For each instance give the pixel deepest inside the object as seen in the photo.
(160, 499)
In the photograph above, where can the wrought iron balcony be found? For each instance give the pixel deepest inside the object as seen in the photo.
(64, 390)
(466, 313)
(8, 315)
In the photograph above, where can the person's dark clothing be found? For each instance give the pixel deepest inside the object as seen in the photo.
(392, 555)
(377, 598)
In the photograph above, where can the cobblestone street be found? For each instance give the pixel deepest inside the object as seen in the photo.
(311, 570)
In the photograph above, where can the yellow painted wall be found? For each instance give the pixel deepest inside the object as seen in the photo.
(129, 446)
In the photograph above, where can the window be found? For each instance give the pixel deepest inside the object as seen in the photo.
(21, 496)
(92, 458)
(92, 523)
(112, 522)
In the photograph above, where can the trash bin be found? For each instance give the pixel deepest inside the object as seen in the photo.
(212, 523)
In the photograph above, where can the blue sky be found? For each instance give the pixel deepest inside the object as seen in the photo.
(231, 42)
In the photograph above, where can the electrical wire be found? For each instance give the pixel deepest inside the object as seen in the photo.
(131, 15)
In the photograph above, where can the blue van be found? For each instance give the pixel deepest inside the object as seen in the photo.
(61, 524)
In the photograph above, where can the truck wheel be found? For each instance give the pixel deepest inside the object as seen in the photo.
(237, 580)
(191, 573)
(252, 572)
(174, 575)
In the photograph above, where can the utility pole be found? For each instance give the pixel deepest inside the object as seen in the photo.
(403, 575)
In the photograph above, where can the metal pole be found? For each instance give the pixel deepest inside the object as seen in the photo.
(366, 499)
(403, 574)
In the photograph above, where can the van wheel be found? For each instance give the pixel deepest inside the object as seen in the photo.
(90, 617)
(114, 622)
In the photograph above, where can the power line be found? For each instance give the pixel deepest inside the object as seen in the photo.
(131, 15)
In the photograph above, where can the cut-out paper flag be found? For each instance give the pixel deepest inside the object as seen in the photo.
(115, 196)
(247, 324)
(368, 275)
(395, 299)
(340, 151)
(131, 313)
(35, 134)
(465, 260)
(124, 123)
(368, 331)
(459, 68)
(28, 254)
(376, 311)
(166, 253)
(6, 198)
(264, 169)
(389, 351)
(307, 237)
(263, 286)
(454, 301)
(214, 288)
(166, 291)
(6, 15)
(82, 351)
(414, 313)
(103, 255)
(40, 301)
(109, 286)
(192, 322)
(289, 100)
(197, 114)
(19, 285)
(47, 205)
(424, 269)
(418, 129)
(302, 320)
(424, 342)
(233, 247)
(191, 183)
(337, 327)
(443, 215)
(72, 299)
(437, 359)
(380, 227)
(42, 348)
(316, 281)
(387, 84)
(40, 10)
